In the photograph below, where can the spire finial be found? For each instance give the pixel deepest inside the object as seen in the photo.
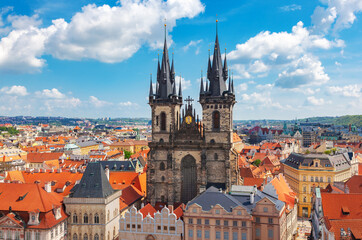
(216, 23)
(165, 28)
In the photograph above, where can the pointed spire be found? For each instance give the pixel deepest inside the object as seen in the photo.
(151, 88)
(164, 74)
(230, 85)
(180, 89)
(207, 86)
(225, 69)
(216, 73)
(209, 67)
(172, 71)
(174, 90)
(202, 84)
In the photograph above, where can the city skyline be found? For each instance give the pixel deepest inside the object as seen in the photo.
(90, 59)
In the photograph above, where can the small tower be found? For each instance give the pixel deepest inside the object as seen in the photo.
(217, 103)
(165, 102)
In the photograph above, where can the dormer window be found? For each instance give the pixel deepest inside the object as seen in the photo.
(33, 218)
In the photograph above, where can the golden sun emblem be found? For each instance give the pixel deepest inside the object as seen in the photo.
(188, 119)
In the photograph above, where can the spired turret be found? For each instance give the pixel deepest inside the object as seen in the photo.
(217, 75)
(166, 84)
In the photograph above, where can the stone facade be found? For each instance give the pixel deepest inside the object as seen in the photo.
(93, 217)
(163, 225)
(188, 155)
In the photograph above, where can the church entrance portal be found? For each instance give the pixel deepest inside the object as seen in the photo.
(189, 179)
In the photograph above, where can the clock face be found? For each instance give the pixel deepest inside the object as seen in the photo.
(188, 119)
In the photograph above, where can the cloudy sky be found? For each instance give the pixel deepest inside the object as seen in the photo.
(289, 58)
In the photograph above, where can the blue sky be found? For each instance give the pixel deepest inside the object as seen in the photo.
(93, 58)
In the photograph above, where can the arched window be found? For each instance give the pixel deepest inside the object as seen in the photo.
(85, 218)
(114, 231)
(163, 178)
(75, 218)
(163, 121)
(96, 218)
(85, 237)
(216, 157)
(216, 120)
(96, 237)
(108, 215)
(162, 166)
(75, 237)
(304, 199)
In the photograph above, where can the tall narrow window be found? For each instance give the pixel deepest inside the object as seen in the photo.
(96, 218)
(85, 218)
(163, 121)
(216, 120)
(75, 218)
(162, 166)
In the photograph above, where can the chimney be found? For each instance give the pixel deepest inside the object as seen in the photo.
(48, 187)
(170, 207)
(252, 197)
(106, 171)
(262, 187)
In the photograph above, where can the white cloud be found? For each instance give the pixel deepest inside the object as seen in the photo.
(314, 101)
(291, 8)
(193, 43)
(127, 104)
(98, 103)
(262, 99)
(267, 86)
(289, 53)
(185, 84)
(62, 103)
(51, 93)
(346, 91)
(338, 15)
(281, 47)
(258, 67)
(240, 71)
(305, 71)
(105, 33)
(241, 87)
(15, 90)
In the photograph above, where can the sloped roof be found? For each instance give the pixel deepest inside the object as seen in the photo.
(148, 209)
(27, 197)
(333, 203)
(41, 157)
(94, 183)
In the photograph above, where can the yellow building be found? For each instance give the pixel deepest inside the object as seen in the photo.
(304, 172)
(86, 147)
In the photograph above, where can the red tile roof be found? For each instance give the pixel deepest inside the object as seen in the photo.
(148, 209)
(333, 202)
(27, 197)
(41, 157)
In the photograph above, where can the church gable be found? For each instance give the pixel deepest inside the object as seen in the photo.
(9, 220)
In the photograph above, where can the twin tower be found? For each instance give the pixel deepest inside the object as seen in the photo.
(188, 154)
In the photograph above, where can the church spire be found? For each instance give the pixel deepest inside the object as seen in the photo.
(164, 77)
(202, 85)
(151, 88)
(216, 74)
(180, 89)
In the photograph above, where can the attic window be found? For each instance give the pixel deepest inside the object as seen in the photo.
(22, 197)
(345, 210)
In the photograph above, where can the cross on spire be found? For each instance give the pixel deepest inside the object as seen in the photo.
(189, 100)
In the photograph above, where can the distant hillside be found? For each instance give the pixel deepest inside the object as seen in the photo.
(342, 120)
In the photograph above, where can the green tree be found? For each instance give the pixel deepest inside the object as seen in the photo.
(127, 154)
(327, 152)
(257, 162)
(307, 152)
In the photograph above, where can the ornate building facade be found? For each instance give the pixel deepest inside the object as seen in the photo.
(187, 155)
